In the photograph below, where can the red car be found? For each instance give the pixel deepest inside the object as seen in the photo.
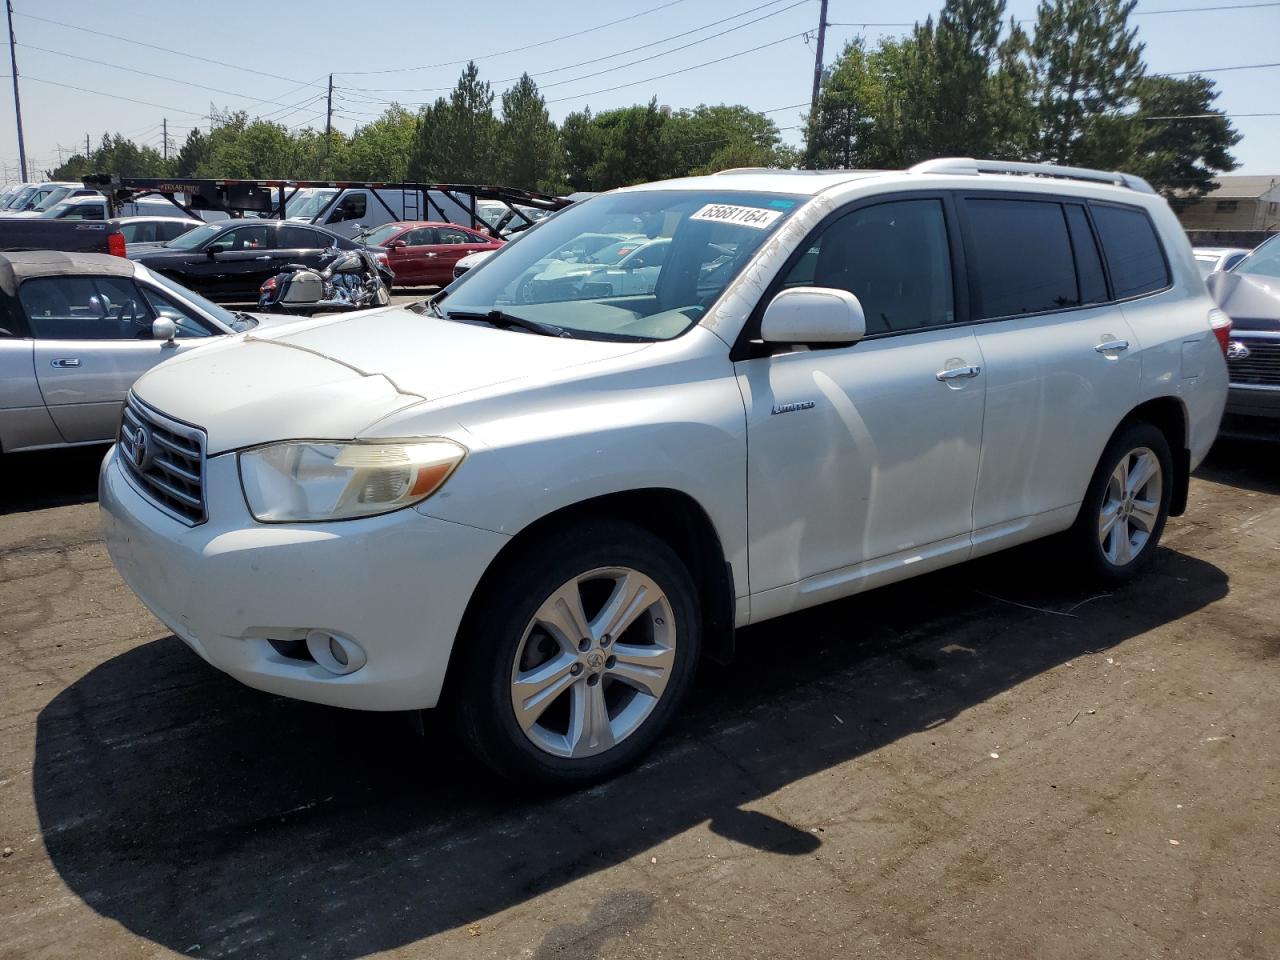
(422, 253)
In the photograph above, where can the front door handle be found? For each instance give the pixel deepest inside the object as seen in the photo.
(64, 362)
(1106, 346)
(263, 258)
(959, 373)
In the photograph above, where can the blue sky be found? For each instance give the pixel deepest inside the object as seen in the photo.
(274, 58)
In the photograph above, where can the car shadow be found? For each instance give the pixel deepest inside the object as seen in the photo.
(49, 478)
(1237, 462)
(216, 820)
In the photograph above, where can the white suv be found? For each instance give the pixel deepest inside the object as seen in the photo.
(540, 511)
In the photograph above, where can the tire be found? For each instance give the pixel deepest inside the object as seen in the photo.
(520, 635)
(1115, 548)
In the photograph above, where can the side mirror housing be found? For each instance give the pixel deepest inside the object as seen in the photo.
(162, 328)
(396, 244)
(214, 249)
(813, 315)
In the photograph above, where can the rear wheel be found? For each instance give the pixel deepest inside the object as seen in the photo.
(581, 650)
(1126, 506)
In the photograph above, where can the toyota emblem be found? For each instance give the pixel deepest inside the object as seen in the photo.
(1237, 351)
(141, 448)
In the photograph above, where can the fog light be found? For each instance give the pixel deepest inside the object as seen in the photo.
(336, 653)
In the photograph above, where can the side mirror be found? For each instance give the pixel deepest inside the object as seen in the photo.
(162, 328)
(396, 244)
(214, 249)
(807, 315)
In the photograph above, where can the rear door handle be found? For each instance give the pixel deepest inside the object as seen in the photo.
(262, 258)
(64, 362)
(959, 373)
(1106, 346)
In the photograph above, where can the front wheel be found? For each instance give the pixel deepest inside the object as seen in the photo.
(1126, 506)
(581, 649)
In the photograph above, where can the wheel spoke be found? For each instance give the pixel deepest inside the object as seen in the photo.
(1142, 472)
(632, 595)
(1145, 514)
(563, 617)
(1120, 478)
(647, 668)
(1107, 521)
(534, 691)
(589, 729)
(1120, 545)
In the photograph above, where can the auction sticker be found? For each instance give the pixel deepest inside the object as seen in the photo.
(743, 216)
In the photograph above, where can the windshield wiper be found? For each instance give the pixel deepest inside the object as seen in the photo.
(506, 321)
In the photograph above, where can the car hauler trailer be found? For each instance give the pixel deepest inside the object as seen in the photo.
(343, 206)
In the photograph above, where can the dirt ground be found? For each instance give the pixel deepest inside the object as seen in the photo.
(987, 762)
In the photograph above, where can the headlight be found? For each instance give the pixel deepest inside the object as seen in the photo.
(300, 481)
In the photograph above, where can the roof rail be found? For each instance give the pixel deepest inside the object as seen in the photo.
(967, 166)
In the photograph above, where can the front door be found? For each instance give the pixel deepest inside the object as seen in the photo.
(452, 244)
(235, 263)
(862, 460)
(92, 341)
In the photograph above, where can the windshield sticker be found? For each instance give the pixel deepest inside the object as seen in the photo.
(743, 216)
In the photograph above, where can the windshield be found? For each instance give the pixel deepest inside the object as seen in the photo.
(384, 233)
(308, 203)
(193, 238)
(1263, 262)
(20, 199)
(556, 276)
(52, 197)
(224, 316)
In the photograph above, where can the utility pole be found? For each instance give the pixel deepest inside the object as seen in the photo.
(86, 146)
(165, 124)
(328, 115)
(17, 102)
(817, 60)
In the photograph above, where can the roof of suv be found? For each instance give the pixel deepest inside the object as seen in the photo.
(989, 172)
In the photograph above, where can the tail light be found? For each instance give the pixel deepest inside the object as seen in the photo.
(1221, 325)
(115, 244)
(268, 286)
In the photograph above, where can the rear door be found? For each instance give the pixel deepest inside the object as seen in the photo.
(92, 340)
(300, 245)
(239, 267)
(24, 422)
(451, 245)
(1062, 364)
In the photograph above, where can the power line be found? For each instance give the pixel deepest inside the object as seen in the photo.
(503, 53)
(1230, 6)
(152, 46)
(113, 96)
(610, 56)
(673, 73)
(155, 76)
(1243, 66)
(1211, 116)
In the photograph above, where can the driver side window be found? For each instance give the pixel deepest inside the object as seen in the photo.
(85, 308)
(243, 238)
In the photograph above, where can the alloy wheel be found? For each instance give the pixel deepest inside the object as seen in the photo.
(1130, 506)
(593, 662)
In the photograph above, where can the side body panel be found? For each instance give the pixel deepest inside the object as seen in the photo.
(24, 421)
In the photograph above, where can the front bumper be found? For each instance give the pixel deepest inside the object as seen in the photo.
(1246, 400)
(397, 585)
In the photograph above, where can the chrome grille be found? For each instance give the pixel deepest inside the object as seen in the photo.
(1261, 367)
(166, 459)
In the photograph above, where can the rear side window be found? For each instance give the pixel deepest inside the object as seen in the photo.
(1022, 257)
(1133, 251)
(300, 238)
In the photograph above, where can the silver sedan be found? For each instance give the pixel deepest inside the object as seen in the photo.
(77, 329)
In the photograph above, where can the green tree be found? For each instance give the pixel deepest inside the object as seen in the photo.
(193, 156)
(380, 150)
(1181, 156)
(1085, 63)
(583, 143)
(710, 138)
(529, 152)
(456, 139)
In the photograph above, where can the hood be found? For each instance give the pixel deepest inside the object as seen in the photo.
(1252, 301)
(334, 377)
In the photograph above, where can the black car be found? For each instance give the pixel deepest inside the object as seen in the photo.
(232, 259)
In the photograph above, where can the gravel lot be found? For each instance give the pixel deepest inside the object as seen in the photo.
(986, 762)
